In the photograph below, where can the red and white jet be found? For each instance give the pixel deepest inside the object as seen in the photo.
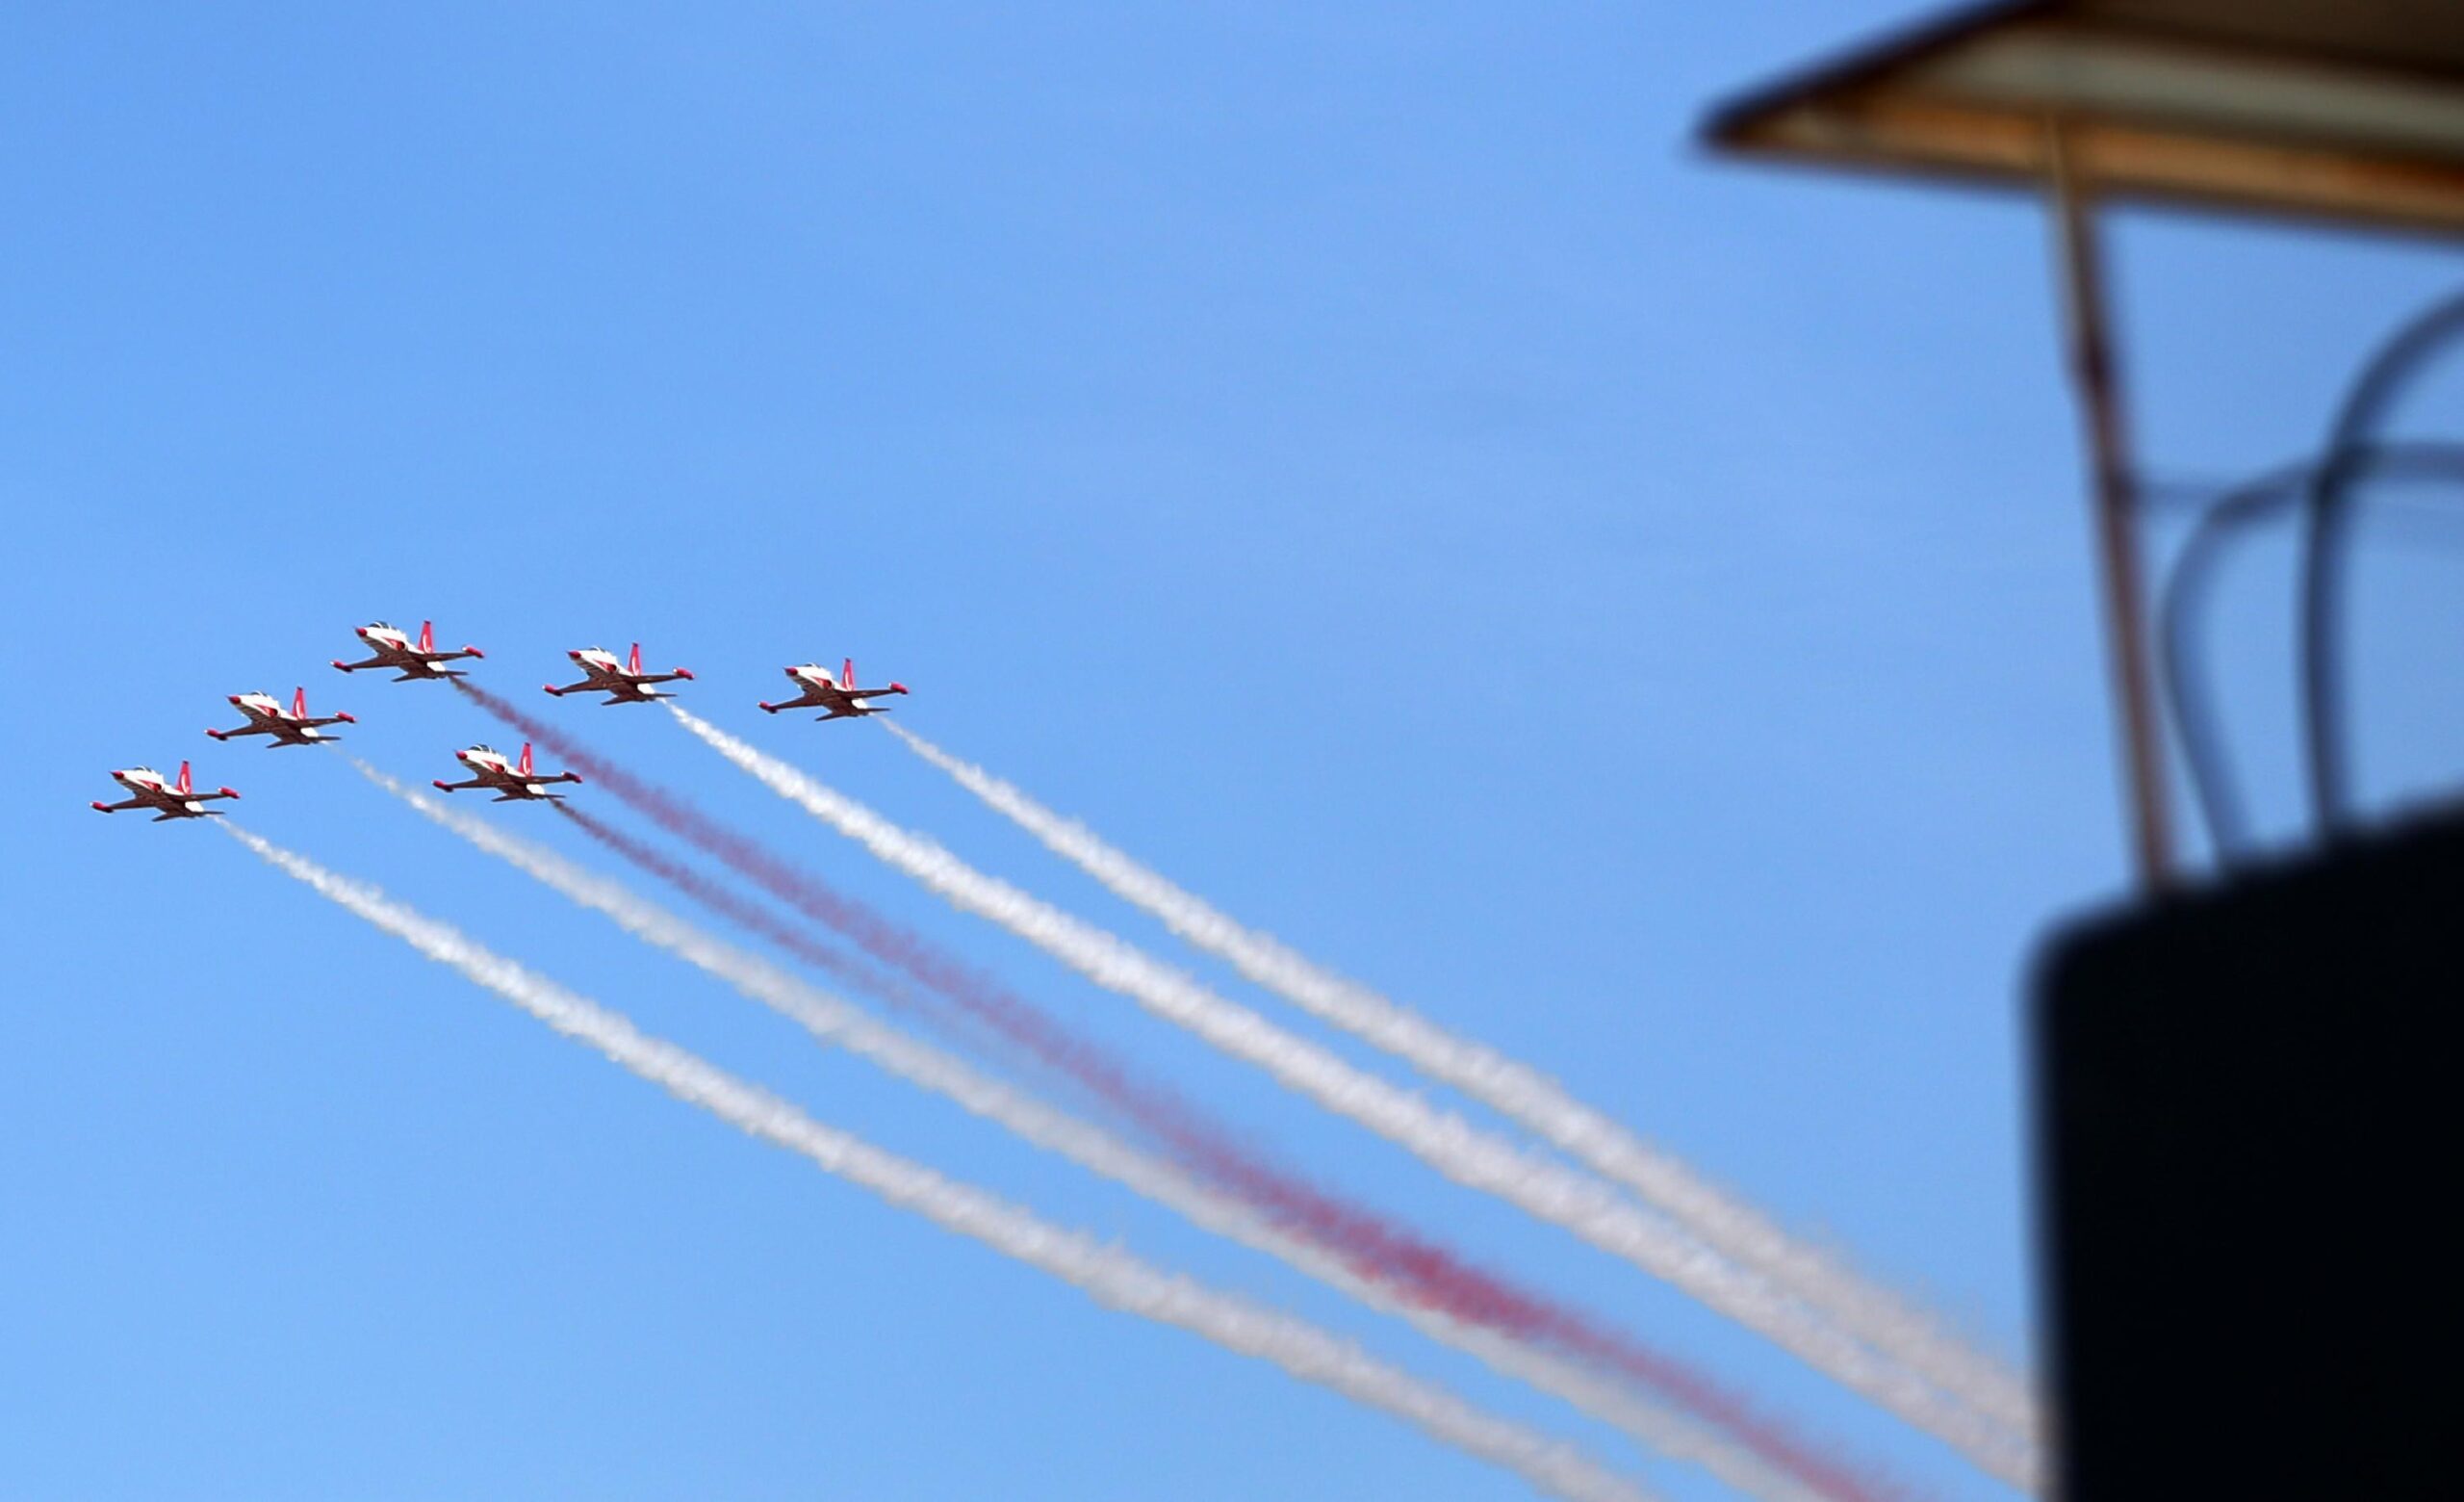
(393, 650)
(149, 790)
(624, 683)
(267, 717)
(507, 779)
(839, 695)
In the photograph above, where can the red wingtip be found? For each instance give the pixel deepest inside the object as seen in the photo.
(228, 792)
(553, 688)
(767, 707)
(339, 662)
(684, 672)
(438, 783)
(100, 808)
(897, 688)
(346, 718)
(474, 651)
(216, 734)
(577, 777)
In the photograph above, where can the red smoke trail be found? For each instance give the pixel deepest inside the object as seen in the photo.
(743, 911)
(1376, 1248)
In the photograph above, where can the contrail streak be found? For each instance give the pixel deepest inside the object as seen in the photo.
(729, 904)
(1456, 1147)
(745, 913)
(1017, 1022)
(1873, 1314)
(1110, 1275)
(832, 1020)
(1425, 1276)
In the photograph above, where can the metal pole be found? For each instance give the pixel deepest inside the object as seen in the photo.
(2099, 387)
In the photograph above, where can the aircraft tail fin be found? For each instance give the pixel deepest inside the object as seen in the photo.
(300, 702)
(428, 636)
(523, 767)
(183, 785)
(633, 663)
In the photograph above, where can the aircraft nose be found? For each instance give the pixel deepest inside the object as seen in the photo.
(235, 698)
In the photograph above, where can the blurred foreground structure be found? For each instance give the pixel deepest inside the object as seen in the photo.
(2348, 111)
(2239, 1112)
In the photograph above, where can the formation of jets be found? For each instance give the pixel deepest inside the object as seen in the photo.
(510, 778)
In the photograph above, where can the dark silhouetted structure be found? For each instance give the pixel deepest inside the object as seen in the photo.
(2246, 1111)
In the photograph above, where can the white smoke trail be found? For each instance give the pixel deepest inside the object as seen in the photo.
(1109, 1275)
(1463, 1152)
(1873, 1314)
(832, 1020)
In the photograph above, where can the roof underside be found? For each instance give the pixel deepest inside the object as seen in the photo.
(2347, 110)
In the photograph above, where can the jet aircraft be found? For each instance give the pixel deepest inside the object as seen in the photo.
(509, 779)
(168, 799)
(624, 683)
(267, 717)
(393, 650)
(839, 695)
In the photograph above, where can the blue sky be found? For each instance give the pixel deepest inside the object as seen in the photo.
(1363, 458)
